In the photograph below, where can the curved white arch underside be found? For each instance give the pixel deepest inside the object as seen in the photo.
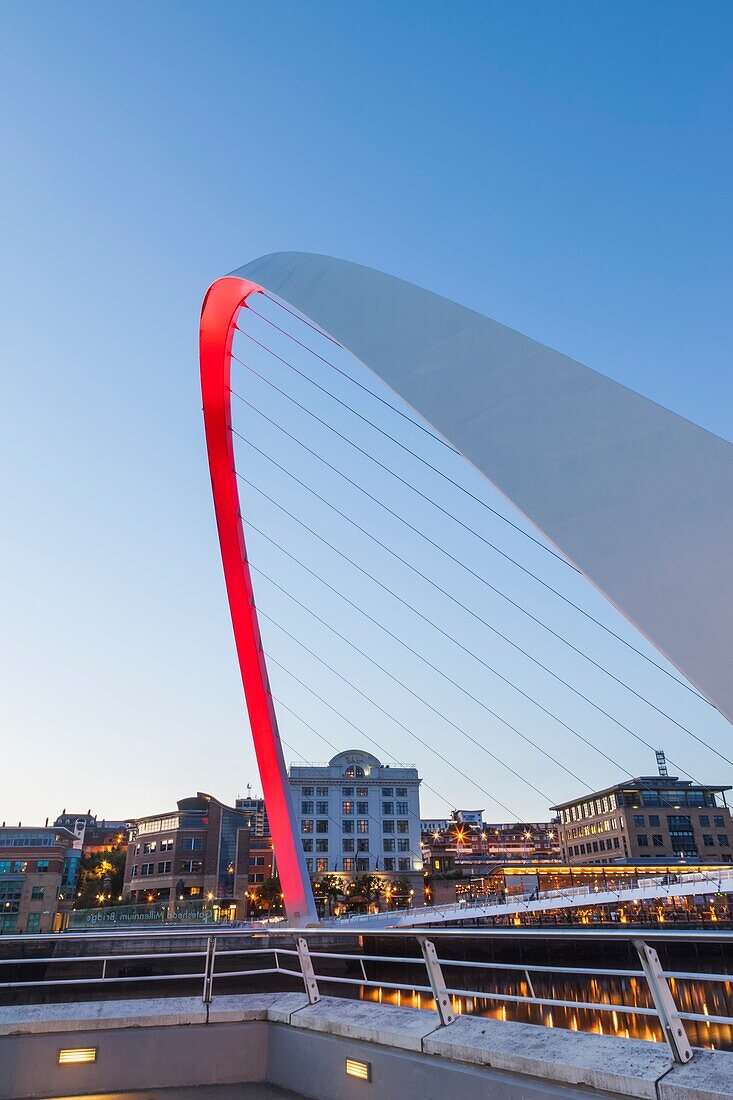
(638, 498)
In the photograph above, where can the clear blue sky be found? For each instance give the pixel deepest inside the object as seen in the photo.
(564, 168)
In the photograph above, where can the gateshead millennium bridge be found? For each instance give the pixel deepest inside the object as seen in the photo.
(638, 501)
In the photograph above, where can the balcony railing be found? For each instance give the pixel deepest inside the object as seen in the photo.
(515, 973)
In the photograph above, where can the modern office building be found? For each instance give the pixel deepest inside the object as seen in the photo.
(257, 813)
(652, 817)
(39, 869)
(359, 816)
(197, 852)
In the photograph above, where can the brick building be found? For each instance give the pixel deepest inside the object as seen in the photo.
(198, 852)
(39, 868)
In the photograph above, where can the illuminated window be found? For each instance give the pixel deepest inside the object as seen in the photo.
(347, 807)
(306, 826)
(348, 864)
(321, 866)
(362, 825)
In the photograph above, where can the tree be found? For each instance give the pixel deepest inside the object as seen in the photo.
(269, 894)
(365, 890)
(331, 889)
(101, 876)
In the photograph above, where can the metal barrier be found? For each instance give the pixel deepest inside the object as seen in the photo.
(208, 961)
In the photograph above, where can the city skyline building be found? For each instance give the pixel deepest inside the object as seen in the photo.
(39, 869)
(651, 817)
(358, 816)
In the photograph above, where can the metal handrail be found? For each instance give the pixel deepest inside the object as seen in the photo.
(310, 945)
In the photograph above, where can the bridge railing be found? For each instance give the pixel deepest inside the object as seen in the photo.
(448, 970)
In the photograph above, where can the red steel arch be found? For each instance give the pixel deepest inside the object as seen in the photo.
(222, 304)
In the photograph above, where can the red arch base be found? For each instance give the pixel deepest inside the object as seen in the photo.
(223, 301)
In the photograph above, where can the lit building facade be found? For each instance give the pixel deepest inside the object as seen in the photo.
(198, 852)
(358, 816)
(655, 818)
(94, 834)
(39, 869)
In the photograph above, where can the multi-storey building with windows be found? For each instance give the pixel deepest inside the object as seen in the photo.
(653, 817)
(39, 868)
(95, 835)
(257, 813)
(359, 816)
(198, 852)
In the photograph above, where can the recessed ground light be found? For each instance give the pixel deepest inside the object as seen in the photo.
(361, 1070)
(78, 1055)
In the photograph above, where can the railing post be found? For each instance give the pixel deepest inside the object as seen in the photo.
(669, 1017)
(209, 968)
(437, 981)
(306, 968)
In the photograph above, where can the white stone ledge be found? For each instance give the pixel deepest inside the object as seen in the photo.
(276, 1007)
(631, 1067)
(96, 1015)
(709, 1076)
(386, 1024)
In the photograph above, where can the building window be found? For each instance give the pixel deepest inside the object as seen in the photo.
(362, 807)
(321, 866)
(322, 845)
(41, 864)
(704, 821)
(164, 868)
(388, 826)
(639, 820)
(403, 826)
(403, 844)
(189, 867)
(307, 792)
(347, 844)
(654, 819)
(33, 922)
(362, 845)
(166, 845)
(347, 826)
(133, 872)
(719, 822)
(306, 826)
(404, 864)
(321, 792)
(307, 845)
(37, 893)
(401, 792)
(306, 807)
(192, 843)
(148, 868)
(347, 792)
(354, 772)
(657, 840)
(309, 864)
(362, 863)
(402, 808)
(362, 825)
(348, 863)
(389, 863)
(387, 808)
(388, 844)
(150, 846)
(723, 840)
(362, 792)
(322, 825)
(707, 839)
(387, 792)
(347, 807)
(321, 808)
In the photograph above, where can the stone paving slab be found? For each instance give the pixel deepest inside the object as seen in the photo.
(709, 1076)
(628, 1066)
(386, 1024)
(96, 1015)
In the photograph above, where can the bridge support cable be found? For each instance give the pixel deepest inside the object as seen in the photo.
(471, 572)
(570, 729)
(270, 351)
